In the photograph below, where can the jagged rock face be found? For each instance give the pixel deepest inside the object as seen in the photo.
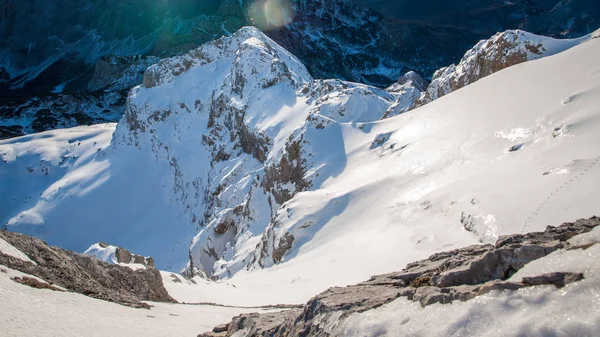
(57, 51)
(43, 49)
(257, 126)
(85, 274)
(489, 56)
(458, 275)
(365, 46)
(21, 116)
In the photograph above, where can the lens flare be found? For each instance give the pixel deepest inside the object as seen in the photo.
(271, 14)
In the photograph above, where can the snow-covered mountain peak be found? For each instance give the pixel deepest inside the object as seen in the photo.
(233, 158)
(249, 50)
(242, 128)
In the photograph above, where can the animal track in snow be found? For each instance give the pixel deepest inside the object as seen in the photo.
(553, 194)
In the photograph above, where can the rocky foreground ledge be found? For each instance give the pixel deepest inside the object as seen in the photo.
(83, 274)
(460, 274)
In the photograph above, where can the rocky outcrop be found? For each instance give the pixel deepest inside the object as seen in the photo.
(85, 274)
(501, 51)
(408, 89)
(115, 255)
(457, 275)
(125, 256)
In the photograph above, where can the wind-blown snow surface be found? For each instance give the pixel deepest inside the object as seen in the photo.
(514, 152)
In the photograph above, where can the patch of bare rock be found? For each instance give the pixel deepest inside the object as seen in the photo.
(83, 274)
(457, 275)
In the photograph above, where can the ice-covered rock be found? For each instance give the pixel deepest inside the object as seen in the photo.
(409, 88)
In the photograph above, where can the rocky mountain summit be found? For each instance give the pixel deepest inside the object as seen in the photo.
(457, 275)
(65, 270)
(501, 51)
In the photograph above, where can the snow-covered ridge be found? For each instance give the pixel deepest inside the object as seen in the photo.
(224, 127)
(256, 120)
(501, 51)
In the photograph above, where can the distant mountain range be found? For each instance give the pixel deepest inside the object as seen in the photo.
(65, 64)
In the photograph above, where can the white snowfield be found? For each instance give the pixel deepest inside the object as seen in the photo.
(511, 153)
(26, 311)
(535, 311)
(10, 250)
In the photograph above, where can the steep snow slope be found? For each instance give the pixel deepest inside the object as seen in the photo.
(234, 142)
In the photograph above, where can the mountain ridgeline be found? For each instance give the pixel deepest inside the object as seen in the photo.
(239, 134)
(65, 64)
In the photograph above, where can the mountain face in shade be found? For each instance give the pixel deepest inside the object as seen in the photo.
(64, 64)
(47, 44)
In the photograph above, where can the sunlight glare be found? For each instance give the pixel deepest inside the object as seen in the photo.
(271, 14)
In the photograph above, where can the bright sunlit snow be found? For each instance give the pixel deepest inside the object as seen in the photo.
(26, 311)
(511, 153)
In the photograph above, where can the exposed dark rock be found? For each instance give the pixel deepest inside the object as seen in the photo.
(457, 275)
(285, 244)
(35, 283)
(25, 115)
(558, 279)
(85, 274)
(221, 328)
(125, 256)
